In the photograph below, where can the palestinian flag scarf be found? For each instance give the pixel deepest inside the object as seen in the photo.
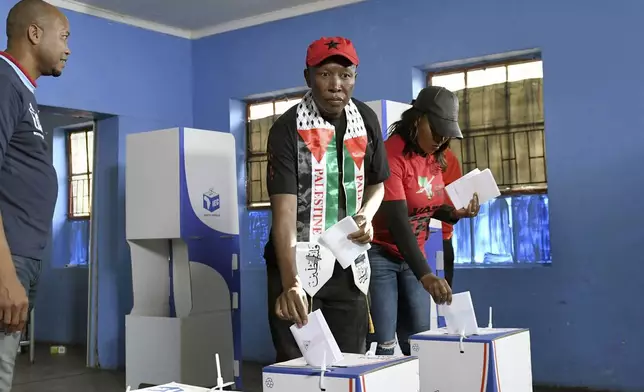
(319, 188)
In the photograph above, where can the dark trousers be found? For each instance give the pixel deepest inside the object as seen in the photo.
(399, 303)
(344, 307)
(448, 261)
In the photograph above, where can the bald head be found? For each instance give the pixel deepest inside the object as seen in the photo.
(37, 32)
(26, 13)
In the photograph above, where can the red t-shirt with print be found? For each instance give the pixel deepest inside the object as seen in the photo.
(451, 174)
(416, 179)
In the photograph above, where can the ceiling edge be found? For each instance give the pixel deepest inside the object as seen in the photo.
(272, 17)
(292, 12)
(83, 8)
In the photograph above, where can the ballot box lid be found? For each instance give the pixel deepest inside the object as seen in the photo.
(352, 366)
(485, 335)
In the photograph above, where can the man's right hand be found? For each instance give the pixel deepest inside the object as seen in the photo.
(292, 305)
(438, 288)
(14, 305)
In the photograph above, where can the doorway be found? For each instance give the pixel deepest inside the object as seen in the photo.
(61, 308)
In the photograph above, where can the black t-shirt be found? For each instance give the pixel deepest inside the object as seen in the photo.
(28, 181)
(282, 164)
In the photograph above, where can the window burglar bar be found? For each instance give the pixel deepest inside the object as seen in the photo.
(81, 195)
(256, 177)
(80, 145)
(501, 116)
(503, 130)
(515, 156)
(261, 116)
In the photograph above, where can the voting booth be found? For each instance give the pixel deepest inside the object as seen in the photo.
(357, 373)
(493, 360)
(388, 112)
(182, 227)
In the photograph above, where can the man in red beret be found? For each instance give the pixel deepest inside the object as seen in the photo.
(326, 161)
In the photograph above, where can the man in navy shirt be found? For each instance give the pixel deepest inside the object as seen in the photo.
(37, 35)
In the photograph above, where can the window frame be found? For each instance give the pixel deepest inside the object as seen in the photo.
(506, 192)
(89, 128)
(249, 154)
(465, 68)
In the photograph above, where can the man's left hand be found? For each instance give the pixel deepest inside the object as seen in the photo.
(364, 235)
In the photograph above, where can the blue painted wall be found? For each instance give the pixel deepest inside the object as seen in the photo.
(144, 79)
(584, 320)
(583, 332)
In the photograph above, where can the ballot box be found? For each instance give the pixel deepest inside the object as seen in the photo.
(493, 360)
(356, 373)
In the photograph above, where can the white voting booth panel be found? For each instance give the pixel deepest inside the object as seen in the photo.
(356, 373)
(182, 227)
(495, 360)
(388, 112)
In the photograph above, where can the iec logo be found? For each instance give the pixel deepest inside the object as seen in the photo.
(211, 201)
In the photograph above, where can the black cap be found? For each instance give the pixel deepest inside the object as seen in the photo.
(441, 106)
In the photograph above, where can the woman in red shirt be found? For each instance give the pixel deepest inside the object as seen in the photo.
(400, 274)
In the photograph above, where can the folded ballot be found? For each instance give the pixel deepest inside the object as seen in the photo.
(335, 239)
(460, 318)
(316, 342)
(480, 182)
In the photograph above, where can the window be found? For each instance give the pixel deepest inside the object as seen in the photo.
(501, 115)
(261, 116)
(259, 225)
(80, 162)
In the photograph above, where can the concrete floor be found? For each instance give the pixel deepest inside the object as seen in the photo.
(67, 373)
(57, 373)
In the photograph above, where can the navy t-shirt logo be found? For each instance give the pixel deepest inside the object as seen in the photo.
(36, 119)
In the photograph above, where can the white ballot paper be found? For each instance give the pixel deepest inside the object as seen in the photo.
(462, 190)
(335, 239)
(316, 342)
(460, 318)
(314, 264)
